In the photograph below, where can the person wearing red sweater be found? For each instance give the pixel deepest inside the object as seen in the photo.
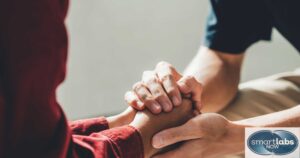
(33, 53)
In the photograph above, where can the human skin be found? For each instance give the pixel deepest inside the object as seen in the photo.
(204, 137)
(222, 137)
(149, 124)
(124, 118)
(211, 79)
(219, 74)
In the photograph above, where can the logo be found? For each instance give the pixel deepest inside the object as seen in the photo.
(264, 142)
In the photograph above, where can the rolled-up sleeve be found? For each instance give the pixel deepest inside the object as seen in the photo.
(88, 126)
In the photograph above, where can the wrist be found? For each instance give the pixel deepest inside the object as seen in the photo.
(236, 131)
(113, 121)
(141, 124)
(146, 135)
(121, 119)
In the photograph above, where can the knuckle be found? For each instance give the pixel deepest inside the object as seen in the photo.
(162, 63)
(137, 85)
(190, 78)
(171, 90)
(157, 93)
(167, 77)
(193, 82)
(173, 70)
(130, 101)
(151, 80)
(130, 98)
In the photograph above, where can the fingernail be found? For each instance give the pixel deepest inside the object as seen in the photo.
(157, 142)
(140, 104)
(167, 106)
(175, 100)
(156, 107)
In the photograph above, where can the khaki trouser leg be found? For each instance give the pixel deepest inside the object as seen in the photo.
(264, 96)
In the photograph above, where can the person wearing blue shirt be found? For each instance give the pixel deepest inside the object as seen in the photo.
(212, 80)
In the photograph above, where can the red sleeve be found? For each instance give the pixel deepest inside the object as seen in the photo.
(113, 143)
(33, 52)
(88, 126)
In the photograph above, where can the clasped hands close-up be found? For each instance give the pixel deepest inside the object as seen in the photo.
(201, 112)
(166, 110)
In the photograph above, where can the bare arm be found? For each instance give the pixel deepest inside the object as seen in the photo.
(215, 135)
(211, 79)
(286, 118)
(219, 73)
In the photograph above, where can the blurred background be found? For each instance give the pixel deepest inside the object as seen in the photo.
(113, 42)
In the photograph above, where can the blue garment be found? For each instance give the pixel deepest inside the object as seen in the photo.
(234, 25)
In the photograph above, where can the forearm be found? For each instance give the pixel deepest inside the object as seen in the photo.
(285, 118)
(121, 119)
(219, 73)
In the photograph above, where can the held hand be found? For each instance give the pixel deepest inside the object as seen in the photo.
(124, 118)
(160, 89)
(148, 124)
(208, 135)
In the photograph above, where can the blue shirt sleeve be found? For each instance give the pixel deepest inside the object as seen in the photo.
(233, 25)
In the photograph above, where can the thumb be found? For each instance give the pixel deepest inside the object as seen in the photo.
(173, 135)
(134, 101)
(189, 85)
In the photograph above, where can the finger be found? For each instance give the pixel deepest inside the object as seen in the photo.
(176, 134)
(129, 111)
(132, 100)
(156, 89)
(145, 96)
(189, 84)
(163, 65)
(168, 77)
(196, 112)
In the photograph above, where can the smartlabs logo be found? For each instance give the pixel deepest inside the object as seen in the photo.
(272, 142)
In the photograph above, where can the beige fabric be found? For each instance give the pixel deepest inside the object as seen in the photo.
(264, 96)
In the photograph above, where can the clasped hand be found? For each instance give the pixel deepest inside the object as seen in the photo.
(170, 118)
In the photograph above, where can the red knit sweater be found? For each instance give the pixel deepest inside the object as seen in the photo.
(33, 52)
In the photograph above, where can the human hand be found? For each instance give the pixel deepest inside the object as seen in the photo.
(207, 135)
(161, 88)
(124, 118)
(148, 124)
